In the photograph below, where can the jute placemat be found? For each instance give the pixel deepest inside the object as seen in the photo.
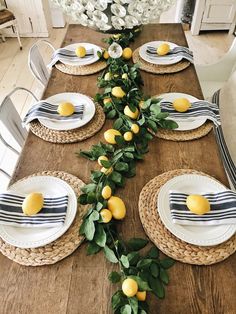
(59, 249)
(164, 239)
(181, 136)
(159, 69)
(82, 70)
(72, 136)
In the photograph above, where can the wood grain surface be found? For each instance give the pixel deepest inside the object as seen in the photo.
(79, 284)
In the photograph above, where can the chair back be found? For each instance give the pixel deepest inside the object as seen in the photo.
(36, 63)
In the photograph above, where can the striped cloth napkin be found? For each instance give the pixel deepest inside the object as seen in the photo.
(63, 54)
(45, 110)
(52, 214)
(176, 52)
(222, 212)
(198, 110)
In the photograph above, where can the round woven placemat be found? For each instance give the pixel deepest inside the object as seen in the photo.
(159, 69)
(63, 246)
(181, 136)
(72, 136)
(164, 239)
(82, 70)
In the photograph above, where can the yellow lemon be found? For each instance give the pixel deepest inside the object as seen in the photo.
(106, 171)
(141, 104)
(127, 53)
(32, 204)
(106, 192)
(163, 49)
(128, 136)
(135, 128)
(131, 114)
(117, 207)
(102, 158)
(116, 36)
(106, 215)
(80, 51)
(124, 76)
(108, 76)
(106, 54)
(141, 295)
(130, 287)
(118, 92)
(181, 104)
(198, 204)
(66, 109)
(106, 100)
(110, 135)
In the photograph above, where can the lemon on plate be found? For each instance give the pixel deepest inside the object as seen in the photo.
(163, 49)
(118, 92)
(127, 53)
(110, 135)
(106, 215)
(80, 51)
(129, 287)
(117, 207)
(32, 204)
(106, 192)
(198, 204)
(131, 114)
(66, 109)
(181, 104)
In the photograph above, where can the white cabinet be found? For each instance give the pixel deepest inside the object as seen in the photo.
(33, 17)
(214, 15)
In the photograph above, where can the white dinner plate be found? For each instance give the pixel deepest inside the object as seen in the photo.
(76, 99)
(36, 237)
(198, 235)
(183, 126)
(82, 61)
(153, 60)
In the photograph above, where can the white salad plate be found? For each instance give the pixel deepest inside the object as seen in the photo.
(76, 99)
(27, 237)
(183, 126)
(158, 60)
(198, 235)
(82, 61)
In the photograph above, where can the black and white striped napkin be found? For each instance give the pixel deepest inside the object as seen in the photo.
(52, 214)
(63, 54)
(222, 212)
(174, 53)
(48, 111)
(198, 110)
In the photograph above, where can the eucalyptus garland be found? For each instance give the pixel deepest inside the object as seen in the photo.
(136, 118)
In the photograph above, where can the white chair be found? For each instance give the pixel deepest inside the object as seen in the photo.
(36, 63)
(12, 133)
(7, 19)
(213, 76)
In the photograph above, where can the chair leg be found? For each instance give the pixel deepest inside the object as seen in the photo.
(3, 38)
(17, 34)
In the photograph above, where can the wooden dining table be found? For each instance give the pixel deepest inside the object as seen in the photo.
(79, 284)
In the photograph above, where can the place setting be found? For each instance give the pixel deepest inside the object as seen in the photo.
(190, 216)
(78, 59)
(65, 118)
(161, 57)
(40, 218)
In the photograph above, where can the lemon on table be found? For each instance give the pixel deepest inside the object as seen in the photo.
(181, 104)
(127, 53)
(124, 76)
(108, 76)
(106, 100)
(117, 207)
(198, 204)
(66, 109)
(118, 92)
(129, 287)
(141, 103)
(135, 128)
(131, 114)
(80, 51)
(107, 171)
(100, 158)
(128, 136)
(32, 204)
(110, 135)
(106, 215)
(163, 49)
(116, 36)
(106, 192)
(141, 295)
(106, 54)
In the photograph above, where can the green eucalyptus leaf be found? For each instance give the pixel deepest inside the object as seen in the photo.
(99, 206)
(155, 108)
(133, 258)
(91, 187)
(116, 177)
(144, 263)
(152, 125)
(120, 140)
(142, 285)
(114, 277)
(91, 197)
(164, 276)
(83, 199)
(111, 114)
(93, 248)
(110, 255)
(89, 229)
(167, 262)
(118, 123)
(137, 244)
(106, 163)
(121, 166)
(153, 252)
(154, 270)
(94, 216)
(126, 309)
(157, 287)
(125, 261)
(134, 305)
(118, 300)
(100, 236)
